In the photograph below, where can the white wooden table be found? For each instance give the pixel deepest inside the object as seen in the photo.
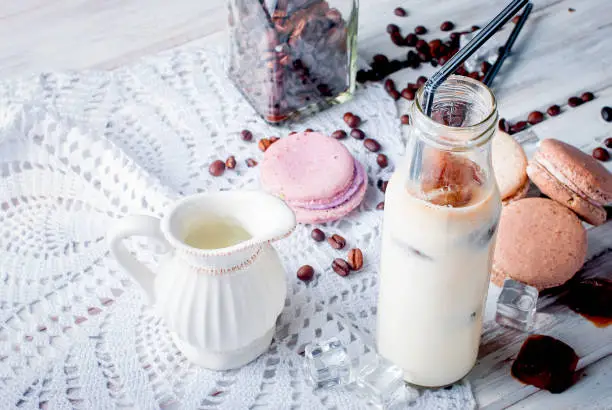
(559, 54)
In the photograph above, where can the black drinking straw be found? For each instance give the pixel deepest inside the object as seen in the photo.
(451, 66)
(490, 76)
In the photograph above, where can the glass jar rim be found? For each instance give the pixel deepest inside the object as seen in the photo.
(481, 130)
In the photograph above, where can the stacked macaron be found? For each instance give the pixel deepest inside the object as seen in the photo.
(315, 175)
(572, 178)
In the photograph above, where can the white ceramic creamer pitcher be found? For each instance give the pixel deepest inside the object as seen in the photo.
(221, 296)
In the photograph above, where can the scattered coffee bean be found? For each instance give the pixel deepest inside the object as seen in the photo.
(473, 75)
(424, 57)
(434, 62)
(355, 259)
(274, 139)
(400, 12)
(230, 162)
(292, 132)
(380, 59)
(357, 134)
(606, 114)
(394, 94)
(392, 28)
(251, 162)
(554, 110)
(381, 206)
(305, 273)
(318, 235)
(485, 66)
(518, 127)
(571, 10)
(217, 168)
(447, 26)
(516, 18)
(535, 117)
(405, 119)
(601, 154)
(371, 145)
(475, 27)
(422, 46)
(341, 267)
(574, 101)
(382, 185)
(397, 39)
(306, 130)
(408, 94)
(339, 134)
(587, 96)
(336, 241)
(264, 144)
(382, 160)
(246, 135)
(504, 125)
(420, 30)
(413, 60)
(389, 85)
(608, 142)
(411, 40)
(412, 86)
(352, 120)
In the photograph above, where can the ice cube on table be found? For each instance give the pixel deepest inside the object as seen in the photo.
(327, 364)
(379, 382)
(516, 305)
(488, 52)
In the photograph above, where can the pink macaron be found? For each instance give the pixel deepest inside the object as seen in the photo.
(316, 175)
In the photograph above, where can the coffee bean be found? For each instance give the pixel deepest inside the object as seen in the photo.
(518, 127)
(420, 30)
(336, 241)
(461, 71)
(447, 26)
(371, 145)
(405, 119)
(395, 94)
(422, 46)
(389, 85)
(606, 114)
(412, 87)
(305, 273)
(516, 18)
(355, 259)
(392, 28)
(381, 206)
(264, 144)
(347, 117)
(574, 101)
(382, 185)
(434, 62)
(306, 130)
(382, 160)
(424, 57)
(397, 39)
(485, 66)
(251, 162)
(473, 75)
(434, 47)
(535, 117)
(554, 110)
(504, 125)
(571, 10)
(318, 235)
(408, 94)
(587, 96)
(608, 142)
(411, 40)
(341, 267)
(217, 168)
(475, 27)
(400, 12)
(339, 134)
(442, 60)
(352, 121)
(357, 134)
(274, 139)
(380, 59)
(230, 162)
(421, 81)
(601, 154)
(246, 135)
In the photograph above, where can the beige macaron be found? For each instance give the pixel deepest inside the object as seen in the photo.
(509, 165)
(539, 242)
(572, 178)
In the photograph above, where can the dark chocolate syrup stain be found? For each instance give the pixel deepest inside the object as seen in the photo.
(591, 298)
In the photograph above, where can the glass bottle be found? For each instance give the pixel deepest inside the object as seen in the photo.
(442, 208)
(291, 57)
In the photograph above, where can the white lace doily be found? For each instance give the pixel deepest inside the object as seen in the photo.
(78, 151)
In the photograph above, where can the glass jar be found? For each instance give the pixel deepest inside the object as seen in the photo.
(290, 57)
(442, 208)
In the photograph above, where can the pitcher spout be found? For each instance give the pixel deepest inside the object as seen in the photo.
(269, 217)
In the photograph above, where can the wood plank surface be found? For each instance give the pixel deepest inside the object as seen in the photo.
(559, 54)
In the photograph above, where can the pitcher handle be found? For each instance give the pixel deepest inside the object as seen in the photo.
(136, 225)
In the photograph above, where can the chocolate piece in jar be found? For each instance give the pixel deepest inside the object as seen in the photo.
(292, 56)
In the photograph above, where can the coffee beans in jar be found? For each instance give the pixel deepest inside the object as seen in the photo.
(293, 56)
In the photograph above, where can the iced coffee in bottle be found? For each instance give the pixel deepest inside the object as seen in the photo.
(442, 208)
